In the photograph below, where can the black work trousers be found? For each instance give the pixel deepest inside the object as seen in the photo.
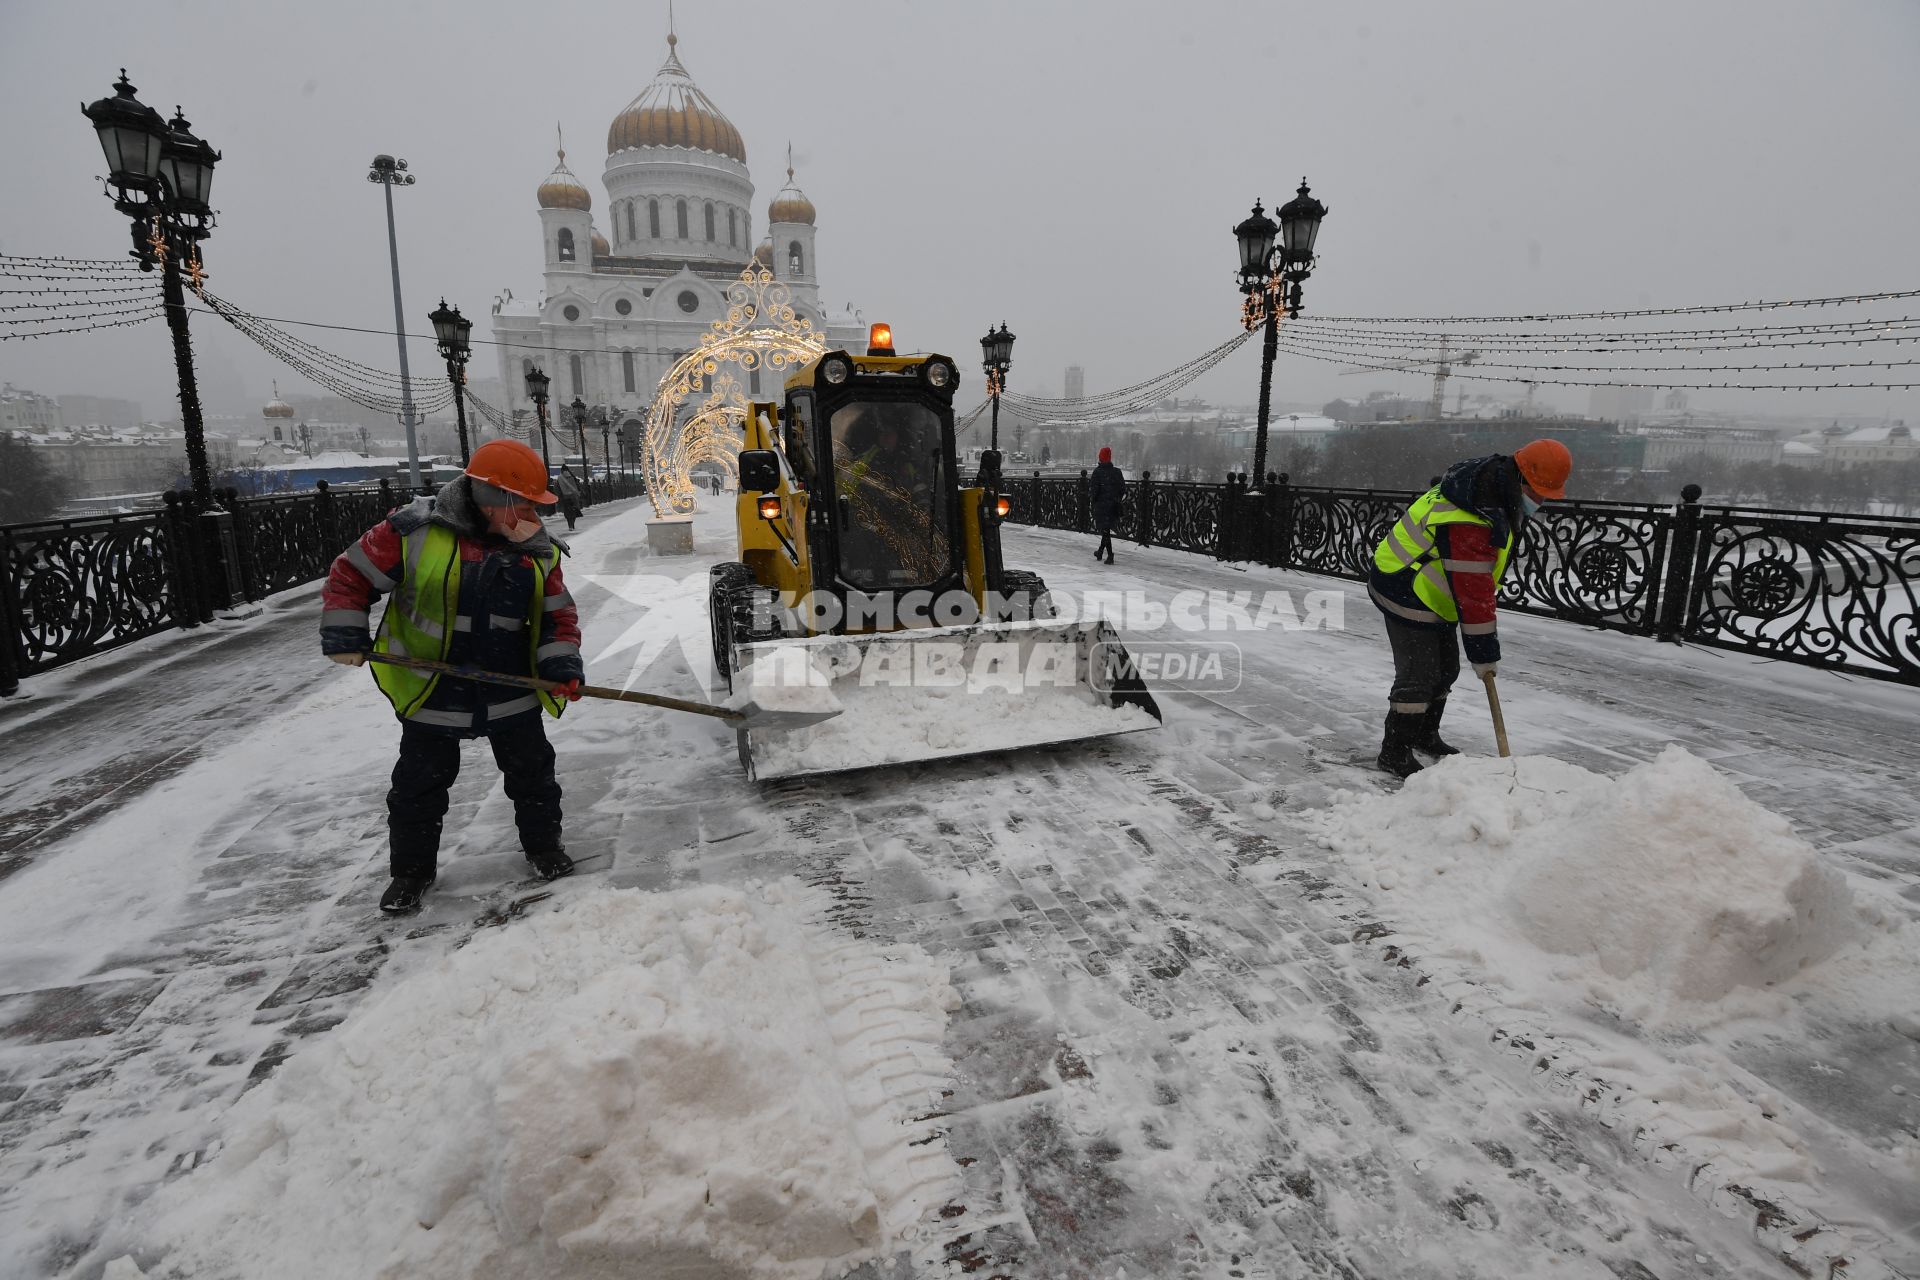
(1426, 662)
(430, 761)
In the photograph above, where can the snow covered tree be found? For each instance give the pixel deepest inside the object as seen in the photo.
(30, 488)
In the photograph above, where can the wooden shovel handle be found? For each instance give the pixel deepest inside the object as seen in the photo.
(551, 686)
(1499, 721)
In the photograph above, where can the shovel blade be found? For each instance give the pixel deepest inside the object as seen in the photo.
(937, 693)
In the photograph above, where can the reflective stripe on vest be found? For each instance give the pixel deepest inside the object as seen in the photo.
(423, 612)
(1411, 544)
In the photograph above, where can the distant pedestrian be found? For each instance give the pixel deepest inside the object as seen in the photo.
(474, 579)
(1106, 494)
(1438, 570)
(569, 496)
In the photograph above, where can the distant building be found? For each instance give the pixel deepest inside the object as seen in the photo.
(23, 410)
(1845, 448)
(1076, 382)
(626, 299)
(1596, 446)
(1620, 404)
(103, 411)
(1667, 446)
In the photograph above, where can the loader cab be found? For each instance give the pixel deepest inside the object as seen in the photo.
(871, 438)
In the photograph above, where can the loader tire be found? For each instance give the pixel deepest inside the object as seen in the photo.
(1027, 596)
(735, 614)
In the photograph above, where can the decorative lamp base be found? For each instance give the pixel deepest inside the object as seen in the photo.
(670, 536)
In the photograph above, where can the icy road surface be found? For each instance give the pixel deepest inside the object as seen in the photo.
(1195, 1036)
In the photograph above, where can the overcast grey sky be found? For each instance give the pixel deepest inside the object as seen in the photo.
(1073, 169)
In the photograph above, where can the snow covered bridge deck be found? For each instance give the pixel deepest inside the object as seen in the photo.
(1210, 1015)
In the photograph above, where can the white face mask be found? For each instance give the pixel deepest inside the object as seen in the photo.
(1527, 502)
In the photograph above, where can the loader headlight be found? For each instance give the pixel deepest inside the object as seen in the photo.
(939, 373)
(1002, 505)
(769, 507)
(836, 369)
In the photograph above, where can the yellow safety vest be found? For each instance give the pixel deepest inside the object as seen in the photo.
(420, 616)
(1414, 541)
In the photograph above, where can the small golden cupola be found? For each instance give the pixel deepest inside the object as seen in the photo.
(562, 190)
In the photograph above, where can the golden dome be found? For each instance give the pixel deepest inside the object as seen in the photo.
(601, 249)
(672, 112)
(562, 190)
(763, 256)
(790, 205)
(276, 407)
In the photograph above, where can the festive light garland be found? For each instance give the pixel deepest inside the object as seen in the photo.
(1557, 317)
(154, 314)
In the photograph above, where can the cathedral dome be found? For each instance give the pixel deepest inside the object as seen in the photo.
(562, 190)
(763, 256)
(276, 407)
(673, 112)
(601, 249)
(790, 204)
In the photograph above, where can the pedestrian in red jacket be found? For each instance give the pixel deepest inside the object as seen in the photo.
(472, 578)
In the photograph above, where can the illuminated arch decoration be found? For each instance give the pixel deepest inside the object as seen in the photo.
(760, 331)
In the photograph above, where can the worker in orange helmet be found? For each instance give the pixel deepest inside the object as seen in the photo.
(1438, 570)
(474, 580)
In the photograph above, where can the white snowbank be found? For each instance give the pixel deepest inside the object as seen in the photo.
(1666, 890)
(683, 1084)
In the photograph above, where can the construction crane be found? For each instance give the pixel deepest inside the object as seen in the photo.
(1440, 361)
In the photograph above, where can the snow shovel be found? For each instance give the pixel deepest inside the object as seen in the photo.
(745, 713)
(1499, 721)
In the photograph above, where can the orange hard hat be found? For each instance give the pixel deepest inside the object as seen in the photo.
(510, 465)
(1545, 466)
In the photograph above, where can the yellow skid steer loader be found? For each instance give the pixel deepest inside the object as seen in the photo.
(870, 576)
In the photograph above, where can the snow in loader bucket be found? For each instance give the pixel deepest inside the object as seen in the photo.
(933, 693)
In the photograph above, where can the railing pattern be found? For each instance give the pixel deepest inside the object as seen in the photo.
(73, 588)
(1830, 591)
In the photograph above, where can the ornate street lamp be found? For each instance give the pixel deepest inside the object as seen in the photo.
(537, 391)
(996, 351)
(579, 408)
(160, 175)
(606, 444)
(452, 328)
(390, 173)
(1270, 276)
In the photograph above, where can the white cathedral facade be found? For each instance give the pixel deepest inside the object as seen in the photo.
(625, 300)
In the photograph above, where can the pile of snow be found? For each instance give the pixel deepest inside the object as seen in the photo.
(1663, 892)
(697, 1084)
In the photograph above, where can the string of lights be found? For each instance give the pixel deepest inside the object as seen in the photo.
(1416, 356)
(261, 331)
(10, 261)
(102, 310)
(1903, 330)
(85, 290)
(153, 314)
(1125, 400)
(1559, 317)
(1458, 372)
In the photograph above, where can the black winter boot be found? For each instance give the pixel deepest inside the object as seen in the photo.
(402, 897)
(551, 864)
(1428, 738)
(1396, 750)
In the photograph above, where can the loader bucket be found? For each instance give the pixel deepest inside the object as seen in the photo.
(934, 693)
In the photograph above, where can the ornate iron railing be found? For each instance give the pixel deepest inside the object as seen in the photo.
(73, 588)
(1825, 590)
(70, 588)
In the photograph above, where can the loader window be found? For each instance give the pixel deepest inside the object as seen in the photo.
(892, 495)
(798, 438)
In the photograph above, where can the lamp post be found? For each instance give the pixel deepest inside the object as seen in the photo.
(537, 389)
(579, 408)
(452, 328)
(159, 175)
(1270, 276)
(391, 173)
(996, 351)
(606, 445)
